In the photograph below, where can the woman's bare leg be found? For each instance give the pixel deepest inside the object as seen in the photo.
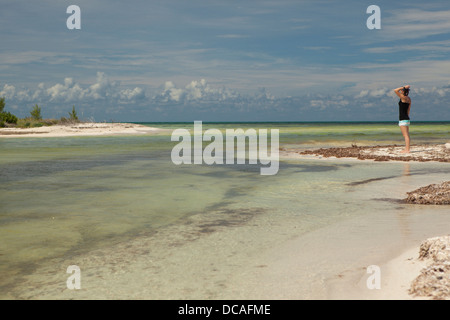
(405, 132)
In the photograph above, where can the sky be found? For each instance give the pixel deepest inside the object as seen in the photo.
(225, 60)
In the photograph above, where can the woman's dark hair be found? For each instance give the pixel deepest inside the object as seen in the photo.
(405, 91)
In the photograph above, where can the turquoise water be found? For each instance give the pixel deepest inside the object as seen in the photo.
(61, 198)
(306, 134)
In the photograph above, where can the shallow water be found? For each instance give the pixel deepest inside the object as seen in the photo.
(64, 199)
(306, 134)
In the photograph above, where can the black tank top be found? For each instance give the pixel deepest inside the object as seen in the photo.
(403, 110)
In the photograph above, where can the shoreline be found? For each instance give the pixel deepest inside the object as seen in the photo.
(421, 153)
(415, 273)
(79, 129)
(410, 275)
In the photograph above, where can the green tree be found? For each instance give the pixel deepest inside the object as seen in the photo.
(36, 113)
(2, 104)
(8, 117)
(73, 114)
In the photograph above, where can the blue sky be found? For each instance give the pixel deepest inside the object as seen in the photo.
(227, 60)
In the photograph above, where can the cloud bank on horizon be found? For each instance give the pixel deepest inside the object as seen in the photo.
(225, 60)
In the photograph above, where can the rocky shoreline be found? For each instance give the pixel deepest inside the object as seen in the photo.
(432, 194)
(422, 153)
(434, 280)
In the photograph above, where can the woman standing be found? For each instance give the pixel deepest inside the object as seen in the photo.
(404, 107)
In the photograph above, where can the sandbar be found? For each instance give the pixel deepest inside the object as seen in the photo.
(79, 129)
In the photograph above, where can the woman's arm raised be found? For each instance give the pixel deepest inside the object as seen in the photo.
(399, 91)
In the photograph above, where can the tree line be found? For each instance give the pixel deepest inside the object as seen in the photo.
(34, 120)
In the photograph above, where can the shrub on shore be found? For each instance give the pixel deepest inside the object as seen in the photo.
(73, 115)
(32, 123)
(36, 113)
(35, 119)
(6, 116)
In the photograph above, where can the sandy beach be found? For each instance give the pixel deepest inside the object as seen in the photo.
(79, 129)
(415, 274)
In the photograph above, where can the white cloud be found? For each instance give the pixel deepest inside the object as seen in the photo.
(69, 91)
(105, 96)
(195, 91)
(132, 94)
(8, 91)
(417, 23)
(441, 47)
(22, 95)
(378, 92)
(320, 104)
(103, 88)
(362, 94)
(171, 93)
(72, 92)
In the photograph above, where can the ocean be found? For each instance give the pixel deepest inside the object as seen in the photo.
(139, 226)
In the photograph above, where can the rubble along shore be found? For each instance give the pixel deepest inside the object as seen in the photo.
(422, 153)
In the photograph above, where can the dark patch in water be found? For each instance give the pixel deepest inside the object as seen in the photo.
(94, 189)
(318, 169)
(356, 183)
(391, 200)
(218, 205)
(32, 169)
(27, 170)
(255, 169)
(226, 218)
(236, 192)
(14, 274)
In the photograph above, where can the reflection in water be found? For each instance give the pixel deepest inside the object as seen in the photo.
(406, 169)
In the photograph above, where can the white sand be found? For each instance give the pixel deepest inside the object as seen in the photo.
(396, 277)
(80, 129)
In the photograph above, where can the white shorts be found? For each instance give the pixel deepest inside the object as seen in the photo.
(405, 123)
